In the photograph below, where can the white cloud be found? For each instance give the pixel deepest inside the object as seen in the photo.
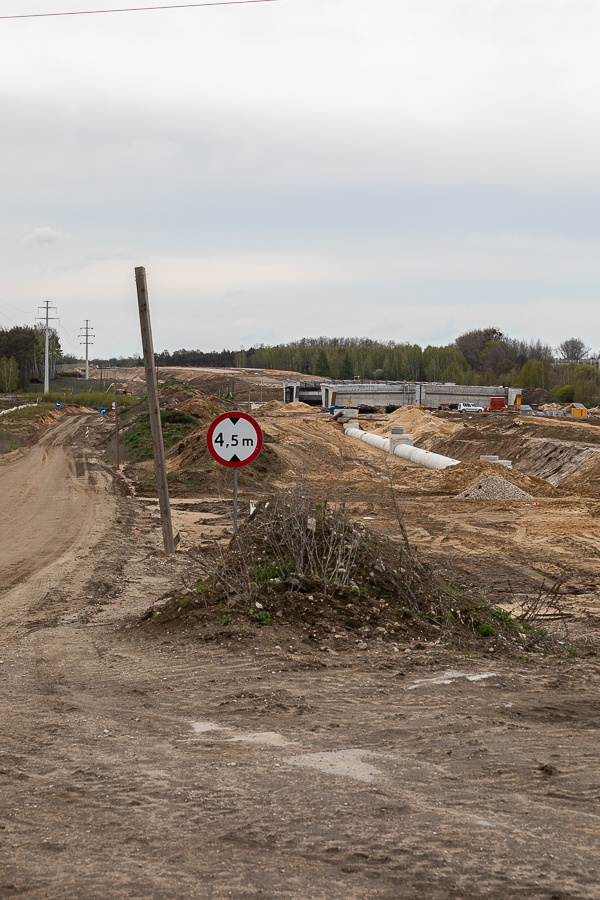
(44, 235)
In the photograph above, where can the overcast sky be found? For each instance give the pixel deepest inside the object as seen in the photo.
(397, 169)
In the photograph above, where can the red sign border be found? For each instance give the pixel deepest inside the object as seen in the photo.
(211, 430)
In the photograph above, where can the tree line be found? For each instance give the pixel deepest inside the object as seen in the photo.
(479, 356)
(22, 353)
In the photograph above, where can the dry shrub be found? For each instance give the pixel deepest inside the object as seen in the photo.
(303, 561)
(296, 552)
(314, 545)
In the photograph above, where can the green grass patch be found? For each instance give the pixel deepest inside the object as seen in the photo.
(90, 399)
(175, 426)
(264, 572)
(507, 619)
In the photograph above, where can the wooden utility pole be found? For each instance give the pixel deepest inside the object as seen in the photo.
(160, 468)
(117, 423)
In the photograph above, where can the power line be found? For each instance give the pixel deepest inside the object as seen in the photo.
(94, 12)
(66, 331)
(8, 319)
(70, 340)
(25, 312)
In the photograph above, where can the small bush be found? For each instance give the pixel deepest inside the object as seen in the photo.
(505, 617)
(564, 393)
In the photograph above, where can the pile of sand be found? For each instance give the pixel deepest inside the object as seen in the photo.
(193, 402)
(279, 408)
(408, 415)
(418, 422)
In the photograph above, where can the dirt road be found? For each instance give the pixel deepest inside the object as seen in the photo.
(140, 766)
(55, 507)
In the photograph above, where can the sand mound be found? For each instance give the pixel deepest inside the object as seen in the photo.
(493, 488)
(408, 415)
(298, 405)
(279, 408)
(423, 425)
(193, 402)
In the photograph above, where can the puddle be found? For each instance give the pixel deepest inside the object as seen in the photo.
(268, 738)
(203, 727)
(347, 763)
(449, 677)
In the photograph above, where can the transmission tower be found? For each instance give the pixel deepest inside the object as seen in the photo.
(45, 318)
(87, 333)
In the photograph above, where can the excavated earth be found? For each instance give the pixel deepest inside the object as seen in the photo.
(201, 756)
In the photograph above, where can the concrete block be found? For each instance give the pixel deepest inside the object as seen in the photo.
(396, 439)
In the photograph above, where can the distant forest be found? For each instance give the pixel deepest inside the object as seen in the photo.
(481, 356)
(22, 355)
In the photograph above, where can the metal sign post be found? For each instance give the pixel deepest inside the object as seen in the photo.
(235, 501)
(234, 440)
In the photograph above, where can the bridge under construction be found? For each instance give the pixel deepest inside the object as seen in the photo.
(393, 394)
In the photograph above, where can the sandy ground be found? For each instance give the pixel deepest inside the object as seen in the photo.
(155, 765)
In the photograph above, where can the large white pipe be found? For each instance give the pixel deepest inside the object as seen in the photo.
(404, 451)
(14, 408)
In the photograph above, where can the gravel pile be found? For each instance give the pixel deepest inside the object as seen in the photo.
(493, 488)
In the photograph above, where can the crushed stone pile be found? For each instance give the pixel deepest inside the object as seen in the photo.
(459, 478)
(493, 488)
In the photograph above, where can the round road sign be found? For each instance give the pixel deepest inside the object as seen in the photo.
(234, 439)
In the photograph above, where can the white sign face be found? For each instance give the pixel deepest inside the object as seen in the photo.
(234, 439)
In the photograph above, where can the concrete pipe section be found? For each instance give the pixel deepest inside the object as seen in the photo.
(404, 451)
